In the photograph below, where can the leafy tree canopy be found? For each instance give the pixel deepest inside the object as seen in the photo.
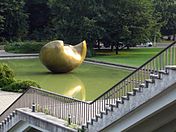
(111, 21)
(13, 19)
(166, 12)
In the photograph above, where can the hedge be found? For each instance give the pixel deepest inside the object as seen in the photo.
(24, 47)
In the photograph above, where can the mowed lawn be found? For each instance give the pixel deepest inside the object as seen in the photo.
(132, 57)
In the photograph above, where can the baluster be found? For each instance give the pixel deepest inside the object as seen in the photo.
(160, 62)
(174, 55)
(138, 77)
(171, 55)
(153, 66)
(166, 57)
(136, 80)
(150, 68)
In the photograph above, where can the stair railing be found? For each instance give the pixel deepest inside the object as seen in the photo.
(50, 103)
(136, 79)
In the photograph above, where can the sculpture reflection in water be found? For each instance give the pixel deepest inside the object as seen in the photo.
(77, 90)
(66, 84)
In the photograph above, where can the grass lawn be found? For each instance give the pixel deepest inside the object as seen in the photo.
(86, 82)
(131, 57)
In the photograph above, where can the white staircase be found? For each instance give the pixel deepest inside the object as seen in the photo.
(153, 86)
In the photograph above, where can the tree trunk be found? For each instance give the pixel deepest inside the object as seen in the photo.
(174, 37)
(117, 49)
(98, 45)
(112, 47)
(128, 47)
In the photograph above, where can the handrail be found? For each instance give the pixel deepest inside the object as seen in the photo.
(27, 91)
(134, 71)
(81, 111)
(56, 94)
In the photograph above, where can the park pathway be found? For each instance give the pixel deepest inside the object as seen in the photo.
(6, 55)
(6, 99)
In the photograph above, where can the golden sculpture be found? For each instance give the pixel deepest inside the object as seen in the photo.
(61, 59)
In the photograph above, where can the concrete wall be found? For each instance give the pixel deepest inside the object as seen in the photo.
(24, 118)
(160, 120)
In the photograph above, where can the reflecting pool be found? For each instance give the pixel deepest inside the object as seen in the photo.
(86, 82)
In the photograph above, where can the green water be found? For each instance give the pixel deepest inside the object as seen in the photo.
(86, 82)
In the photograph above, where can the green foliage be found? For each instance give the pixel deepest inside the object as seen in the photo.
(73, 20)
(131, 20)
(38, 108)
(6, 75)
(13, 19)
(8, 82)
(19, 86)
(38, 19)
(24, 47)
(1, 23)
(6, 71)
(165, 11)
(128, 21)
(46, 111)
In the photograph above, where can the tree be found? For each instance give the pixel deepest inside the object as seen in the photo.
(1, 18)
(128, 21)
(170, 27)
(13, 19)
(165, 10)
(74, 21)
(39, 13)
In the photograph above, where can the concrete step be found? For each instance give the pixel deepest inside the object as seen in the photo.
(154, 76)
(125, 98)
(172, 67)
(119, 100)
(103, 113)
(162, 72)
(109, 109)
(131, 93)
(89, 123)
(147, 81)
(136, 89)
(142, 85)
(113, 105)
(98, 116)
(94, 119)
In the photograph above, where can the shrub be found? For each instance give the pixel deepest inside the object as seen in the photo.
(19, 86)
(6, 75)
(6, 71)
(6, 81)
(24, 47)
(3, 41)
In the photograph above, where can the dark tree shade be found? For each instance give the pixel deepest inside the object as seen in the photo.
(39, 12)
(166, 12)
(13, 19)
